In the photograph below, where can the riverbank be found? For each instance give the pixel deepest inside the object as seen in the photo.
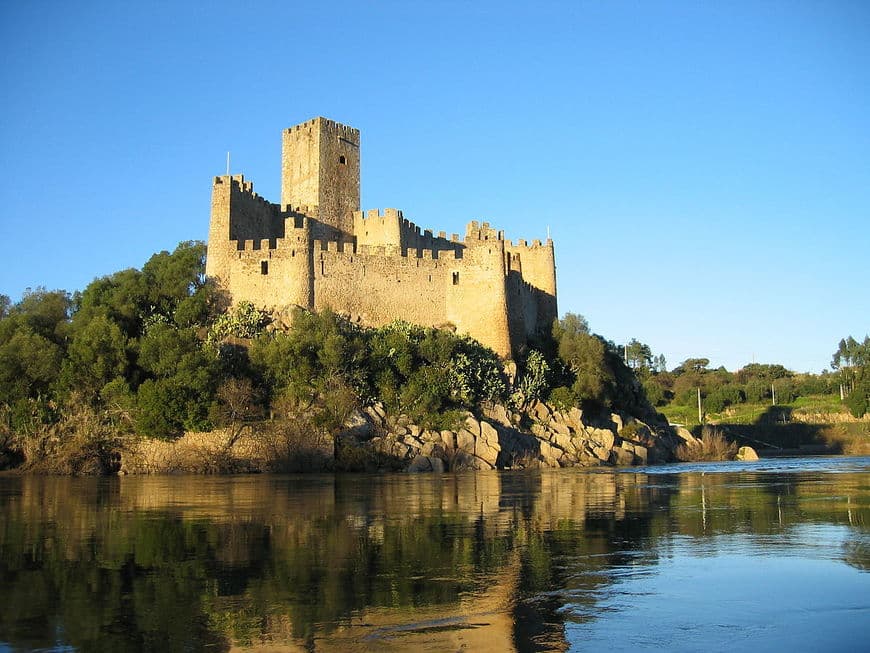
(373, 441)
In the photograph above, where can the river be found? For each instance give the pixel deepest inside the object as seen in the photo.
(770, 555)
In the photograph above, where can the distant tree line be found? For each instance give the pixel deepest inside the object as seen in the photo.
(753, 383)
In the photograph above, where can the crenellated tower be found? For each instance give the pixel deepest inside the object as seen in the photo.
(320, 163)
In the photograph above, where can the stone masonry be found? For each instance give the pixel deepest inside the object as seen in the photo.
(317, 250)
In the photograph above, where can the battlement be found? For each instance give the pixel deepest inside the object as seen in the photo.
(238, 184)
(326, 122)
(256, 245)
(478, 232)
(535, 244)
(375, 214)
(319, 245)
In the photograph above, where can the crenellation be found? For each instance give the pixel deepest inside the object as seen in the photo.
(317, 248)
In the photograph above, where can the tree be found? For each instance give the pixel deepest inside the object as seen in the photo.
(698, 365)
(97, 354)
(852, 359)
(659, 364)
(235, 406)
(584, 354)
(638, 356)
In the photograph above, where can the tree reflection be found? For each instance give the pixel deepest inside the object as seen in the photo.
(356, 562)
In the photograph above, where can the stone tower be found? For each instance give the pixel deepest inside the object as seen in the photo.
(320, 167)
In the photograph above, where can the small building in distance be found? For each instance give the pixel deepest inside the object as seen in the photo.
(317, 250)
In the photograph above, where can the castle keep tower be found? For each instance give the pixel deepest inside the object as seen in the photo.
(320, 168)
(316, 249)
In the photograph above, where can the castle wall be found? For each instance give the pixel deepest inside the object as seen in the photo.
(532, 289)
(273, 274)
(476, 294)
(375, 288)
(373, 228)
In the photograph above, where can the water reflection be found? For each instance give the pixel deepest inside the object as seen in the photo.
(542, 561)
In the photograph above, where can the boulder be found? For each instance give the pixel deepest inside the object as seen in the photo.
(564, 442)
(487, 451)
(560, 427)
(575, 416)
(550, 454)
(465, 440)
(426, 464)
(540, 431)
(642, 454)
(746, 453)
(617, 420)
(498, 414)
(603, 437)
(540, 411)
(357, 426)
(488, 433)
(472, 425)
(685, 435)
(621, 457)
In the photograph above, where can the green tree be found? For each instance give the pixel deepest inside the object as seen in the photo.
(638, 356)
(584, 355)
(97, 354)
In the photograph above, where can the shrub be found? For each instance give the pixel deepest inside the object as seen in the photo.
(712, 445)
(856, 401)
(295, 445)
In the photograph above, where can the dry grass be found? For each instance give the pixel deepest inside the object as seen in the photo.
(850, 438)
(713, 445)
(296, 445)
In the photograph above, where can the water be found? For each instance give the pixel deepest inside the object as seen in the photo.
(759, 556)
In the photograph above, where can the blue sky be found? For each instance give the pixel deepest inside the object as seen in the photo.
(704, 168)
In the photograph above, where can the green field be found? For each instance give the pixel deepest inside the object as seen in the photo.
(813, 424)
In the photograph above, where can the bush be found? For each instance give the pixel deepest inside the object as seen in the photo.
(857, 400)
(296, 445)
(757, 391)
(712, 445)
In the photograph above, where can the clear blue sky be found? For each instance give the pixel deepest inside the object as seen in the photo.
(704, 168)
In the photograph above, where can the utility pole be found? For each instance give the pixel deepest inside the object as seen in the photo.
(228, 164)
(773, 393)
(700, 417)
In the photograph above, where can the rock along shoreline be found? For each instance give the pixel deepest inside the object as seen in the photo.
(541, 437)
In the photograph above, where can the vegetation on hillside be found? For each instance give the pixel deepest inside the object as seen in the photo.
(156, 352)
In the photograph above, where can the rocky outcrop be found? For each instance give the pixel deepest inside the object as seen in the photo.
(500, 439)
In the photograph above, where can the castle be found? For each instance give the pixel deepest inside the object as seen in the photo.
(316, 249)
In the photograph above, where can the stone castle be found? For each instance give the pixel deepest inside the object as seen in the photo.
(317, 250)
